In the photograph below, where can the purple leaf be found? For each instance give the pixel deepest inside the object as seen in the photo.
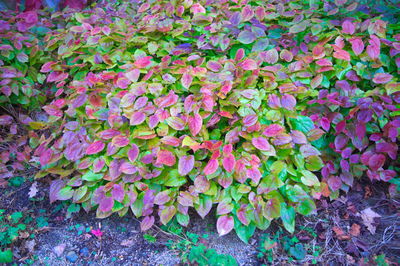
(185, 165)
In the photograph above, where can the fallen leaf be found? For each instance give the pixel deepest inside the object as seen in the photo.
(30, 245)
(59, 250)
(33, 190)
(340, 234)
(368, 192)
(368, 216)
(127, 242)
(355, 230)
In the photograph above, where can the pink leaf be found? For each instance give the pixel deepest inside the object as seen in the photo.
(185, 165)
(128, 168)
(357, 45)
(120, 141)
(271, 56)
(273, 130)
(348, 27)
(288, 101)
(45, 157)
(248, 64)
(298, 137)
(195, 124)
(250, 120)
(325, 123)
(133, 153)
(137, 118)
(376, 161)
(97, 233)
(211, 167)
(341, 54)
(225, 224)
(47, 67)
(261, 143)
(229, 162)
(176, 123)
(186, 80)
(109, 133)
(382, 78)
(286, 55)
(214, 66)
(95, 147)
(133, 75)
(166, 157)
(239, 54)
(167, 214)
(162, 197)
(147, 223)
(143, 62)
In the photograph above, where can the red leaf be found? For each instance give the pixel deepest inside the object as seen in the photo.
(225, 224)
(166, 157)
(261, 143)
(95, 147)
(185, 165)
(195, 124)
(211, 167)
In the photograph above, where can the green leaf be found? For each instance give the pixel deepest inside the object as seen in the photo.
(90, 176)
(306, 207)
(288, 217)
(314, 163)
(174, 179)
(244, 232)
(298, 251)
(302, 123)
(308, 178)
(6, 256)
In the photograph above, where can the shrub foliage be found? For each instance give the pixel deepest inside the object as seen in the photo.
(258, 108)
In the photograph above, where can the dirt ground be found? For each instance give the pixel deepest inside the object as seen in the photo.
(342, 229)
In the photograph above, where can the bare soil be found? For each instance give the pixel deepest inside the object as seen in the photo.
(122, 243)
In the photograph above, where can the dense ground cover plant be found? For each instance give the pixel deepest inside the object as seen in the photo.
(169, 105)
(22, 54)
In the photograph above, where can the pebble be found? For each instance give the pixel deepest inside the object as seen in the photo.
(71, 256)
(59, 250)
(84, 252)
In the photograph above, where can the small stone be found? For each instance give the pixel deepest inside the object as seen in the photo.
(59, 250)
(84, 252)
(71, 256)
